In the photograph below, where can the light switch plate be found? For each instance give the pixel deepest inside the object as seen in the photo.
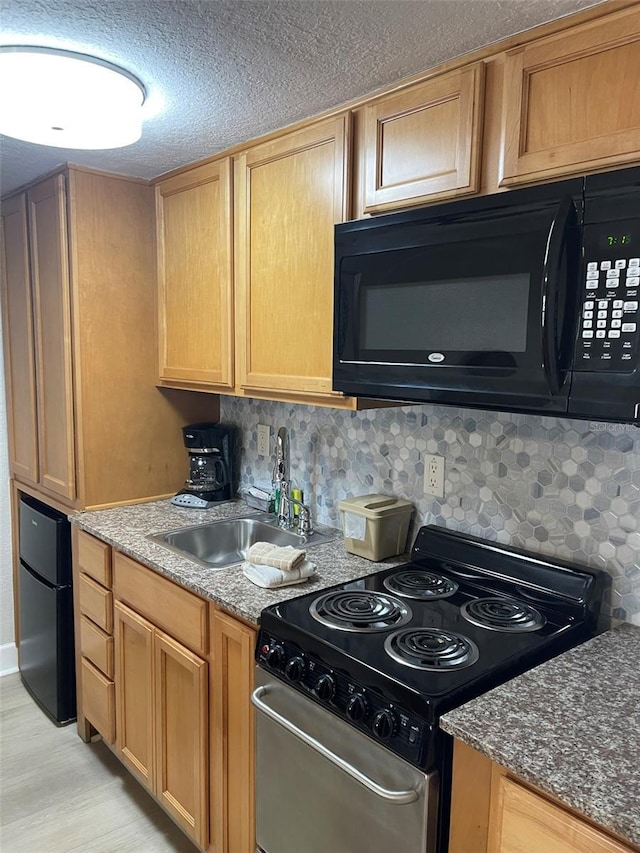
(264, 436)
(434, 475)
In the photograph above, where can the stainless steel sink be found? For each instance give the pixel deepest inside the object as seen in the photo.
(224, 543)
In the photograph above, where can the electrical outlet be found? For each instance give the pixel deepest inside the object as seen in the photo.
(264, 436)
(434, 475)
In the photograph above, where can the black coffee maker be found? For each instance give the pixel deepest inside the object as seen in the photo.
(211, 450)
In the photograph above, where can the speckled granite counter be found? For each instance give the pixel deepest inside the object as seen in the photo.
(127, 527)
(570, 727)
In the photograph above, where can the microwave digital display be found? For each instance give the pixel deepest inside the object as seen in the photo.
(483, 314)
(615, 240)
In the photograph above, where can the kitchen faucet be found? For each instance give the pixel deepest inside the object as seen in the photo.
(286, 503)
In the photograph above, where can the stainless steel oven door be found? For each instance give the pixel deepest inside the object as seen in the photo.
(322, 786)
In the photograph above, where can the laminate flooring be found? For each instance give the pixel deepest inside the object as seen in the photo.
(60, 795)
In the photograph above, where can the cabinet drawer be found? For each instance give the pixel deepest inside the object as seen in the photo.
(99, 701)
(93, 557)
(167, 605)
(96, 646)
(96, 602)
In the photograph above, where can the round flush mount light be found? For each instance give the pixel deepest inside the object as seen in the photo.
(68, 100)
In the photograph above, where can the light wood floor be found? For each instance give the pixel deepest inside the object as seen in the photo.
(60, 795)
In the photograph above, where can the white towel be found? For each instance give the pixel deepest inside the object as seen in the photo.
(269, 577)
(280, 557)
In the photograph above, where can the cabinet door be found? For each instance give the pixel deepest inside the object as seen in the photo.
(17, 313)
(134, 692)
(193, 213)
(50, 276)
(233, 773)
(290, 193)
(423, 143)
(181, 718)
(572, 101)
(524, 822)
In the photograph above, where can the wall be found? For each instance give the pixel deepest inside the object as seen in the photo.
(8, 653)
(559, 487)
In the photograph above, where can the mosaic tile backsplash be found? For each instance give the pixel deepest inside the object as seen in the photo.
(563, 488)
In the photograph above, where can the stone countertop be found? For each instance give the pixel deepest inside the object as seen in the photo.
(570, 727)
(127, 527)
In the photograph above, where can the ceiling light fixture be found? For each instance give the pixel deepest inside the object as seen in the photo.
(68, 100)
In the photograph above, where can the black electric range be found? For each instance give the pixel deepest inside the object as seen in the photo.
(390, 652)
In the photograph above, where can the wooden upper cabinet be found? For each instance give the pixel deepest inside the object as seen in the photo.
(289, 194)
(572, 101)
(17, 313)
(194, 233)
(52, 325)
(423, 143)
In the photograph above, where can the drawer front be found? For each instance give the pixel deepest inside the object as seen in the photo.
(181, 614)
(96, 646)
(99, 701)
(94, 558)
(96, 602)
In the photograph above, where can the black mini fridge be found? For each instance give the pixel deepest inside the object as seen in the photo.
(45, 636)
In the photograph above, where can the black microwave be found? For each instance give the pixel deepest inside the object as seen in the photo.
(523, 301)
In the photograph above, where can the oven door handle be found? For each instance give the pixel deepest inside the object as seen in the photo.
(398, 797)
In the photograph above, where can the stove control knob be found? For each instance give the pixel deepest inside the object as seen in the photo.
(295, 669)
(275, 656)
(357, 708)
(325, 688)
(384, 724)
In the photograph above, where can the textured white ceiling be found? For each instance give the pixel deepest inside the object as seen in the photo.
(220, 72)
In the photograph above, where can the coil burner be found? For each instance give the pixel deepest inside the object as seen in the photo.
(360, 611)
(431, 648)
(502, 614)
(414, 583)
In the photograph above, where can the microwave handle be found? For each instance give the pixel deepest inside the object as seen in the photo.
(556, 242)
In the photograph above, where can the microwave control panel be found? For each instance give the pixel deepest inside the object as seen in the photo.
(610, 320)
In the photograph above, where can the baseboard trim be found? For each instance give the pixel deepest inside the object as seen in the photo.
(8, 659)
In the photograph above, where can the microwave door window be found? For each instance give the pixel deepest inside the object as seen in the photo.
(479, 320)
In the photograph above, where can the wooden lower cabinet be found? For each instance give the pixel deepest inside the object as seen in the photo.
(98, 700)
(162, 718)
(232, 735)
(181, 717)
(93, 608)
(166, 678)
(134, 692)
(525, 822)
(493, 811)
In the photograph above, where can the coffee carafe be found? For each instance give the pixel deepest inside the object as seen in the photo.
(210, 447)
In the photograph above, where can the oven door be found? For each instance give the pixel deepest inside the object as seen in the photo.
(470, 303)
(321, 785)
